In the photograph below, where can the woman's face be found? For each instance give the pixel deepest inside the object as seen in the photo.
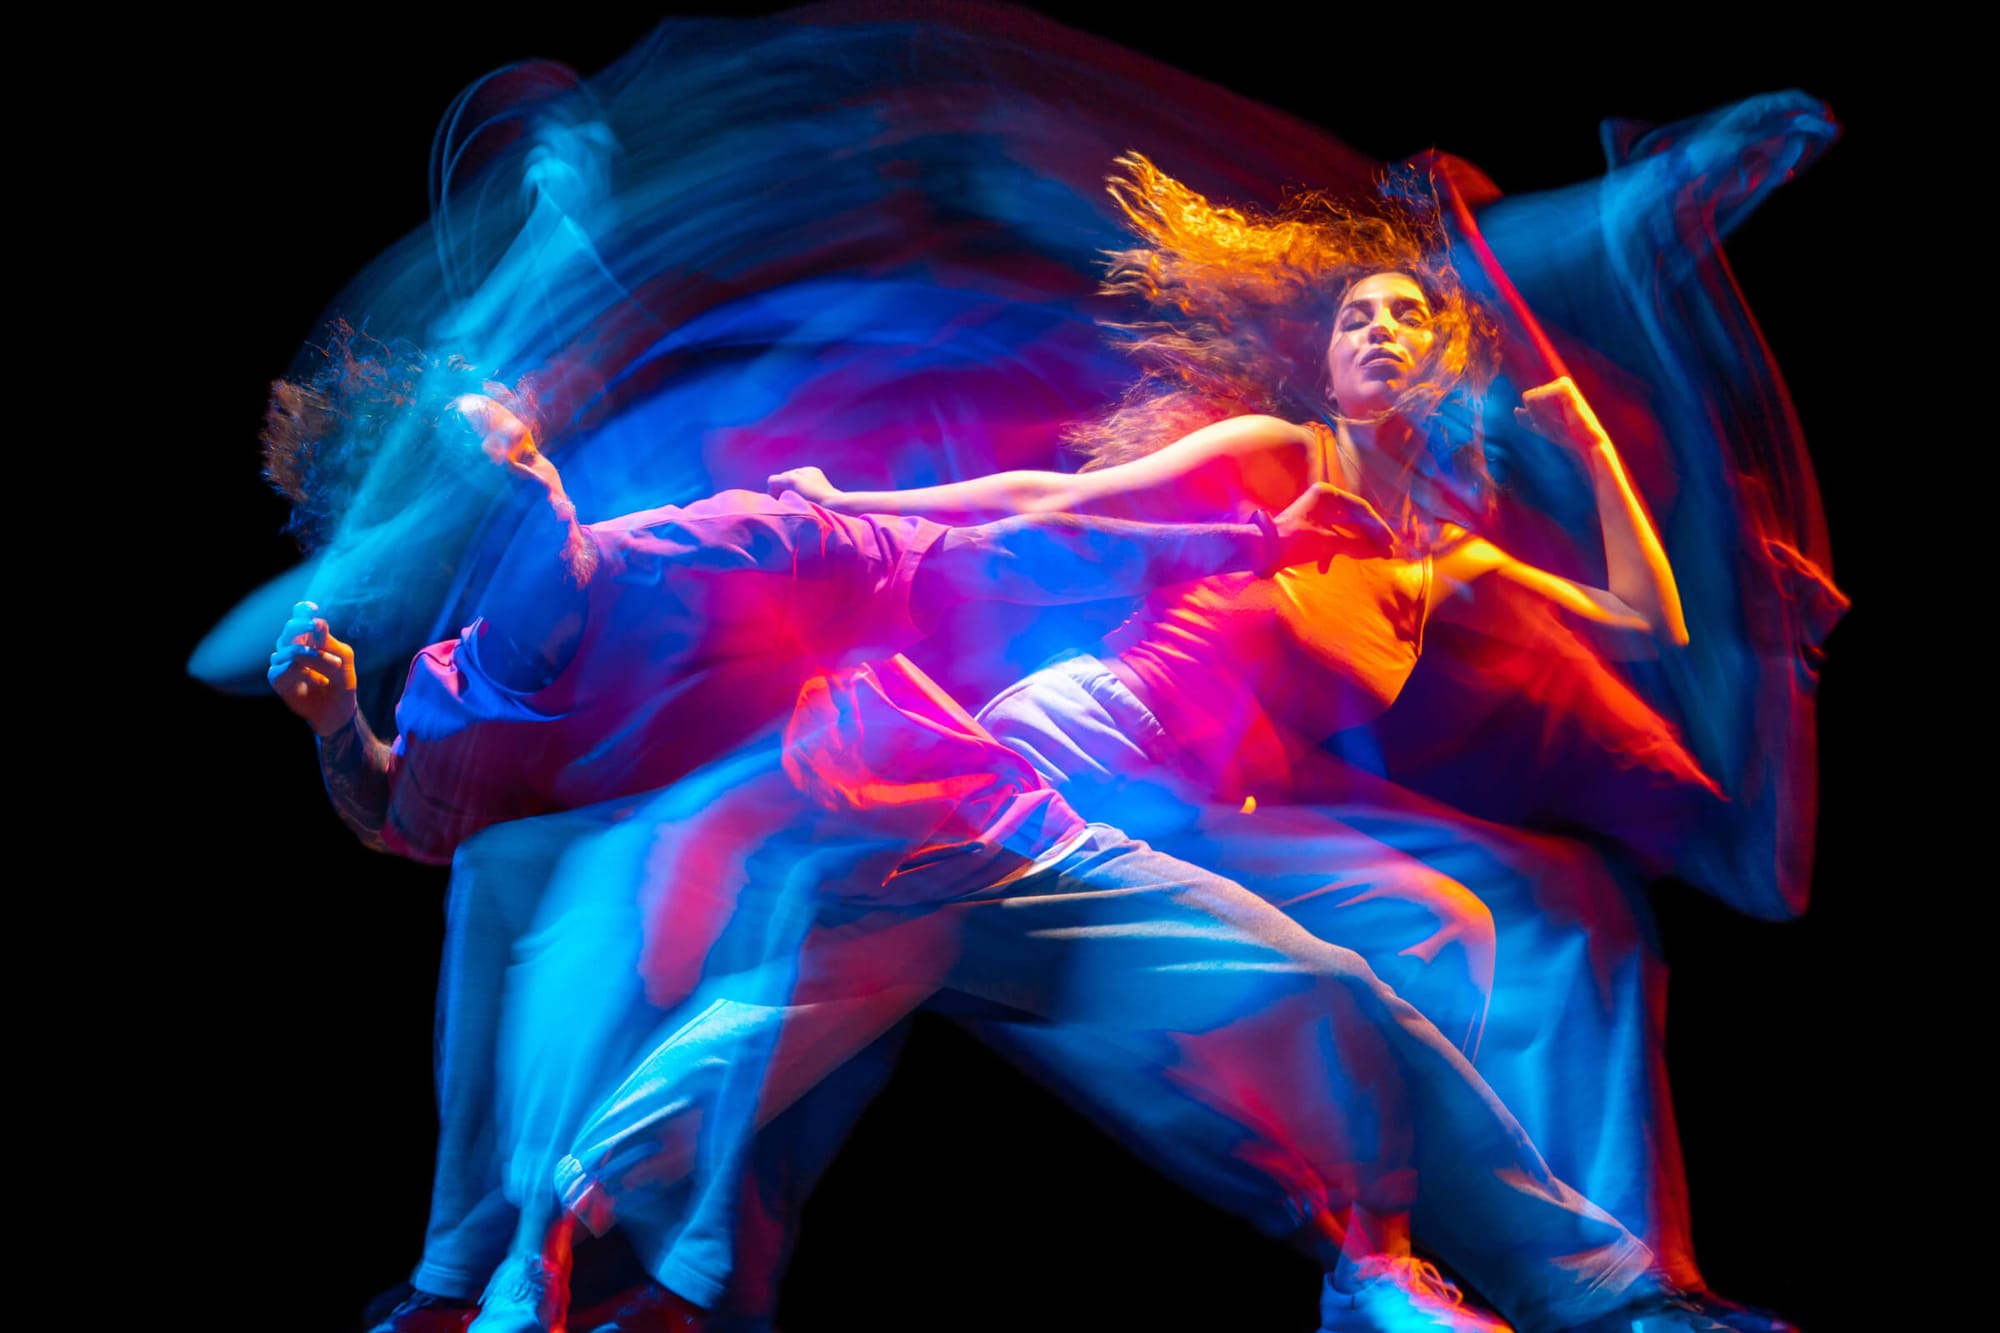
(1381, 336)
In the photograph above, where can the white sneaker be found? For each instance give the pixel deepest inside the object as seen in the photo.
(528, 1294)
(1403, 1295)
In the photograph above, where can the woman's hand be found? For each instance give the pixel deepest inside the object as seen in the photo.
(313, 672)
(809, 482)
(1557, 412)
(1326, 521)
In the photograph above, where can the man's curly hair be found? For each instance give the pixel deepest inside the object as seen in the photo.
(326, 430)
(1241, 306)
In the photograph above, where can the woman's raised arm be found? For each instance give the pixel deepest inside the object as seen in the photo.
(1642, 595)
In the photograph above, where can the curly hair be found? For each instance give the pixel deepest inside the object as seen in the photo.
(1241, 306)
(336, 428)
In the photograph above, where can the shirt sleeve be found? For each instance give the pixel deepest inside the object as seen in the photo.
(842, 583)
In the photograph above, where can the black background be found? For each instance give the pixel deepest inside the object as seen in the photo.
(297, 1089)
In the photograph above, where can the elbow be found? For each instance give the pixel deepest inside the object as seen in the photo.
(1660, 621)
(1623, 633)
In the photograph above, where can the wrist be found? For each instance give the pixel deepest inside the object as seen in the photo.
(1597, 449)
(326, 729)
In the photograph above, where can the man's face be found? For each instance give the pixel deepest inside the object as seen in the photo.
(501, 435)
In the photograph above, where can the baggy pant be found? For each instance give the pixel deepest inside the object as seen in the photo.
(1302, 1065)
(1568, 1009)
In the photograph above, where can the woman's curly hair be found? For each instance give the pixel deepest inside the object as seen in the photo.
(366, 409)
(1241, 306)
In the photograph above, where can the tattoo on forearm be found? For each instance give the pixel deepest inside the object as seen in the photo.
(356, 767)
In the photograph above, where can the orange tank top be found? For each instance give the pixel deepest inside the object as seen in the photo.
(1243, 672)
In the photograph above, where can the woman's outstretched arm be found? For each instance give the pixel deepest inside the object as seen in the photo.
(1051, 559)
(1220, 473)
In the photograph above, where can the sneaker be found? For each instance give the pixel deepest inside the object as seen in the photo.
(1743, 1317)
(423, 1312)
(652, 1308)
(527, 1295)
(1677, 1310)
(1394, 1295)
(1738, 1318)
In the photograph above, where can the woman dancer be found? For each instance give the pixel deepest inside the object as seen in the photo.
(1328, 345)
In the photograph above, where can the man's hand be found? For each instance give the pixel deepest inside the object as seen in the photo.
(313, 672)
(810, 483)
(1326, 521)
